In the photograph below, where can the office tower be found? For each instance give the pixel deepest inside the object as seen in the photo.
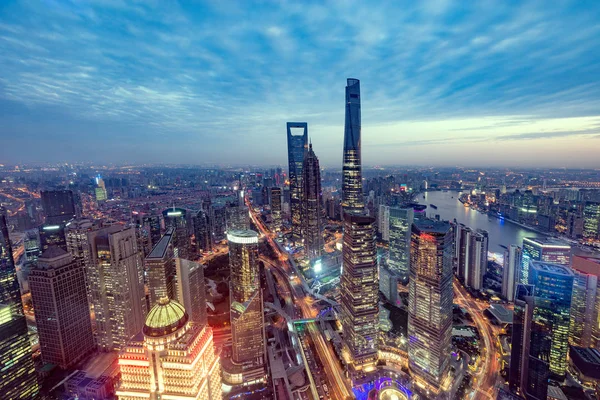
(18, 379)
(462, 239)
(218, 221)
(359, 291)
(202, 232)
(512, 264)
(477, 261)
(276, 208)
(177, 218)
(78, 244)
(247, 361)
(116, 282)
(62, 312)
(585, 304)
(32, 246)
(160, 268)
(401, 220)
(543, 249)
(152, 224)
(591, 220)
(238, 218)
(59, 206)
(388, 283)
(554, 287)
(383, 222)
(297, 147)
(521, 342)
(172, 358)
(191, 290)
(352, 192)
(312, 199)
(52, 235)
(101, 193)
(430, 303)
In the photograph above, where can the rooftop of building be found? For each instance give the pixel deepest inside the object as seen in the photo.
(161, 247)
(166, 317)
(242, 236)
(503, 314)
(431, 225)
(587, 354)
(547, 241)
(555, 393)
(556, 269)
(586, 264)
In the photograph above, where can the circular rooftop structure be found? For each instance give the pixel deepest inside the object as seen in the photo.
(166, 317)
(245, 236)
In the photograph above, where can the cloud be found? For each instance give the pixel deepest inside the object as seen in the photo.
(216, 73)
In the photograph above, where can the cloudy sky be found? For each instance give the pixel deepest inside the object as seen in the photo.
(443, 83)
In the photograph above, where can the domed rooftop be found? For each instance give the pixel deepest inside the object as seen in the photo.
(164, 318)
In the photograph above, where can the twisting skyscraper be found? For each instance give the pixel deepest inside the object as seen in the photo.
(17, 372)
(297, 147)
(311, 205)
(352, 195)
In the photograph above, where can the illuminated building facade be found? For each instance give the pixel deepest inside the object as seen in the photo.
(430, 303)
(543, 249)
(276, 208)
(477, 260)
(352, 191)
(359, 285)
(52, 235)
(312, 200)
(585, 303)
(172, 358)
(247, 363)
(116, 285)
(101, 193)
(202, 232)
(177, 218)
(59, 206)
(553, 285)
(238, 217)
(401, 220)
(297, 147)
(591, 220)
(511, 267)
(383, 222)
(160, 268)
(62, 312)
(18, 378)
(191, 291)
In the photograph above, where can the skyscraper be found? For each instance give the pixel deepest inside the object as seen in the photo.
(247, 363)
(152, 224)
(383, 222)
(512, 264)
(352, 192)
(160, 268)
(172, 358)
(52, 235)
(520, 341)
(238, 217)
(59, 206)
(553, 285)
(359, 291)
(477, 261)
(543, 249)
(462, 239)
(401, 220)
(116, 285)
(191, 291)
(177, 218)
(312, 199)
(276, 208)
(18, 379)
(585, 304)
(297, 147)
(202, 232)
(591, 220)
(430, 303)
(62, 312)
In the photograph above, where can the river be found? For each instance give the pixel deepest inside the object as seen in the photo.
(501, 232)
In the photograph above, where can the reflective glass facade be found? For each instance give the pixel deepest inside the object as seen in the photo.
(585, 304)
(543, 249)
(311, 206)
(401, 220)
(352, 192)
(297, 148)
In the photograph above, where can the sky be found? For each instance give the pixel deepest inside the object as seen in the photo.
(471, 83)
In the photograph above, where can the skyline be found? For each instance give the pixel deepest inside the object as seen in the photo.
(488, 84)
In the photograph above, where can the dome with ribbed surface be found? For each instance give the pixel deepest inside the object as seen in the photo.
(166, 317)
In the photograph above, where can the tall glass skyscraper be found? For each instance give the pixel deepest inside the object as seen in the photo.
(352, 191)
(585, 304)
(311, 205)
(297, 147)
(247, 363)
(401, 220)
(18, 379)
(543, 249)
(512, 263)
(359, 292)
(591, 220)
(430, 303)
(59, 206)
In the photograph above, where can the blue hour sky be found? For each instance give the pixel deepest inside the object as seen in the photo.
(482, 83)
